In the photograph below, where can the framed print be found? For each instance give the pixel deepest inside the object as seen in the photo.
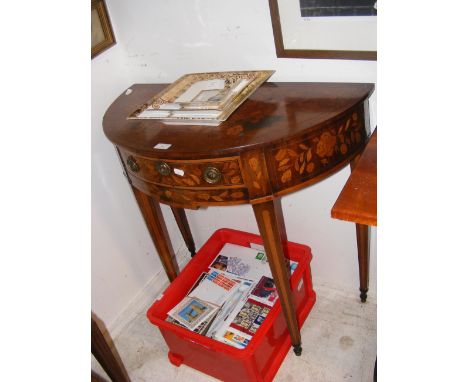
(326, 29)
(102, 36)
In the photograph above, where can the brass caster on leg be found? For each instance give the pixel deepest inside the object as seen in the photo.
(363, 295)
(297, 350)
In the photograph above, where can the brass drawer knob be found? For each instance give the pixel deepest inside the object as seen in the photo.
(163, 168)
(131, 162)
(211, 175)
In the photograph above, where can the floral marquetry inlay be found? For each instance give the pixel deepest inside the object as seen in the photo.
(254, 170)
(326, 145)
(297, 161)
(187, 174)
(191, 197)
(201, 197)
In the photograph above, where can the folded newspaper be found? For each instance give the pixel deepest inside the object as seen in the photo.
(231, 300)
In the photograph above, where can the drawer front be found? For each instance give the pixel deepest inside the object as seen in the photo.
(187, 174)
(191, 198)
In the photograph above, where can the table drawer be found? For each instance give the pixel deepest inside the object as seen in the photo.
(188, 174)
(191, 198)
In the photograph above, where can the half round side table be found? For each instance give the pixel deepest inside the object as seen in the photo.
(285, 137)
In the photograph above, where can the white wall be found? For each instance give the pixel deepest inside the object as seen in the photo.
(158, 41)
(123, 256)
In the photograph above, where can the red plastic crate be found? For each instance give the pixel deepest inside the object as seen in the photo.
(263, 356)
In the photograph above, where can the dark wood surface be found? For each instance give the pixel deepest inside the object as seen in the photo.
(96, 377)
(357, 201)
(265, 118)
(107, 357)
(286, 136)
(154, 220)
(294, 134)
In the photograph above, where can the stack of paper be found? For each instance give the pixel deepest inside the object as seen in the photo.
(244, 320)
(230, 301)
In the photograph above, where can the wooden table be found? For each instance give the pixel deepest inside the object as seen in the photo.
(357, 203)
(285, 137)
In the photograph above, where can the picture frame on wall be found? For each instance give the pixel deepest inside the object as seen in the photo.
(102, 35)
(325, 29)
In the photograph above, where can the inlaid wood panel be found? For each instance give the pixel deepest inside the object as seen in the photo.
(256, 174)
(303, 159)
(190, 198)
(183, 173)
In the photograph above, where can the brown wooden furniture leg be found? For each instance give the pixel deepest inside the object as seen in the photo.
(154, 220)
(375, 370)
(362, 235)
(363, 244)
(267, 215)
(181, 219)
(96, 378)
(101, 350)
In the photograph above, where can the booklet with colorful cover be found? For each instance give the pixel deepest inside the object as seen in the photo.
(243, 324)
(233, 304)
(191, 312)
(215, 288)
(200, 329)
(265, 291)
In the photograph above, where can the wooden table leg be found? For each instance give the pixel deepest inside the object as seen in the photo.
(181, 219)
(362, 236)
(96, 378)
(363, 244)
(375, 370)
(154, 220)
(268, 215)
(109, 361)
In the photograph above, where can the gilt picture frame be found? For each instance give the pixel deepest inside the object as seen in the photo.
(346, 38)
(179, 101)
(102, 35)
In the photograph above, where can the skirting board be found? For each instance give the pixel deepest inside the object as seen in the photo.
(147, 295)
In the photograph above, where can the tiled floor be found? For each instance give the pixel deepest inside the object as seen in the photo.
(339, 344)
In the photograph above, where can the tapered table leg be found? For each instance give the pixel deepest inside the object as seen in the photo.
(363, 244)
(181, 219)
(362, 236)
(267, 215)
(109, 361)
(154, 220)
(96, 378)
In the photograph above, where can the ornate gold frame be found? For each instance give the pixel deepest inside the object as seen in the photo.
(169, 94)
(109, 39)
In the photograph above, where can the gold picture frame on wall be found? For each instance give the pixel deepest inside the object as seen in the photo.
(102, 35)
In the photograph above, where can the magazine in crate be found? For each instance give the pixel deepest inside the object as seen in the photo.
(231, 300)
